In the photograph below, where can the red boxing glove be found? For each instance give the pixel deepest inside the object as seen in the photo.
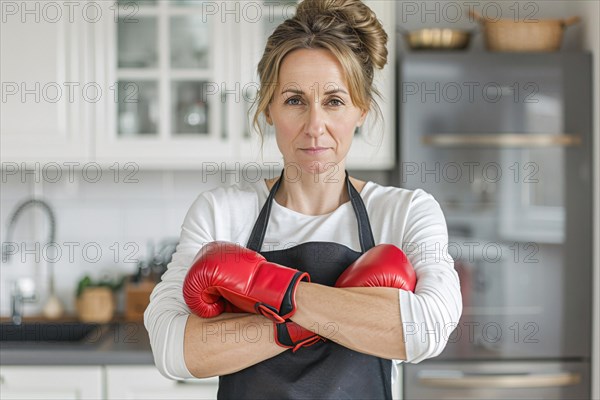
(230, 308)
(384, 265)
(226, 272)
(287, 334)
(293, 336)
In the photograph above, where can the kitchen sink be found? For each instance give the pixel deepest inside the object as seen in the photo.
(50, 332)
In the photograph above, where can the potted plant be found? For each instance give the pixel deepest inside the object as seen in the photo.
(95, 302)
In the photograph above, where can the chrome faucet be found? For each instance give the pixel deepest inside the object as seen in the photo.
(23, 290)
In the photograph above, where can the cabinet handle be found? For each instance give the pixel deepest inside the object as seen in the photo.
(501, 139)
(502, 381)
(247, 117)
(223, 115)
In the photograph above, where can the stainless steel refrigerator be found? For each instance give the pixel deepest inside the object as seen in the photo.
(504, 143)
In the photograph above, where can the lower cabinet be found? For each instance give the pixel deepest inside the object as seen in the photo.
(111, 382)
(145, 382)
(51, 382)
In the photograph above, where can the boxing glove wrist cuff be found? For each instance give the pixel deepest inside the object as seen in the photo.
(287, 308)
(288, 305)
(293, 336)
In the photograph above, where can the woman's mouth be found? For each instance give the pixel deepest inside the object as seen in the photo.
(314, 150)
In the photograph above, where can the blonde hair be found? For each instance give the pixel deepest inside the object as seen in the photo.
(347, 28)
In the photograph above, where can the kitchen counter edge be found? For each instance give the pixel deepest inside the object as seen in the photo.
(120, 343)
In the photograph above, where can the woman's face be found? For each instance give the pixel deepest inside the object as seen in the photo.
(311, 108)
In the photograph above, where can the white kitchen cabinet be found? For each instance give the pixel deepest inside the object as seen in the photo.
(167, 64)
(51, 382)
(47, 90)
(364, 152)
(158, 83)
(145, 382)
(111, 382)
(238, 33)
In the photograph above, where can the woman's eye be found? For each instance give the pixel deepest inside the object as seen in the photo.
(339, 102)
(292, 99)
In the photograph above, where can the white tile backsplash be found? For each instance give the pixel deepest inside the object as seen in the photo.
(114, 216)
(115, 219)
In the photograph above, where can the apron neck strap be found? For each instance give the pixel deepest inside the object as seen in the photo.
(364, 227)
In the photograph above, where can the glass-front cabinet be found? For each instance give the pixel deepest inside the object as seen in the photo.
(167, 67)
(160, 83)
(181, 80)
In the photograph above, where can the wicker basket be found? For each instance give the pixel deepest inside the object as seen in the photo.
(543, 35)
(96, 305)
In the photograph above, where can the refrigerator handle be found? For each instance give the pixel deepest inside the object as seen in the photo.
(465, 380)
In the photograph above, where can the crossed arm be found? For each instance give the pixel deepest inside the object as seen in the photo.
(364, 319)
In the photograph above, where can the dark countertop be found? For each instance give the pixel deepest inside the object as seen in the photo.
(114, 343)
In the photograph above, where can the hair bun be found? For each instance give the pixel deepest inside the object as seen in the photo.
(372, 38)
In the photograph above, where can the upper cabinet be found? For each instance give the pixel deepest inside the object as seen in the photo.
(167, 64)
(160, 83)
(47, 92)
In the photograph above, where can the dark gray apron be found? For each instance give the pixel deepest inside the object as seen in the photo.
(325, 370)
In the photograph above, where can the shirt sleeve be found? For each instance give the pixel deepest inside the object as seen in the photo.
(431, 313)
(166, 316)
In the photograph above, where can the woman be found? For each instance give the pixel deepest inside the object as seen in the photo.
(315, 218)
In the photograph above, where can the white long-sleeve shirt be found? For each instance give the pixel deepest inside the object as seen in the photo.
(410, 219)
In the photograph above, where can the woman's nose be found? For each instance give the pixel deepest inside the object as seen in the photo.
(316, 120)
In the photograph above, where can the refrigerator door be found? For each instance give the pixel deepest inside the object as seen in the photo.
(503, 142)
(497, 380)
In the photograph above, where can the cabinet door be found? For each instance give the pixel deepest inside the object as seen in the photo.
(366, 151)
(47, 93)
(145, 382)
(374, 144)
(252, 36)
(166, 66)
(51, 382)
